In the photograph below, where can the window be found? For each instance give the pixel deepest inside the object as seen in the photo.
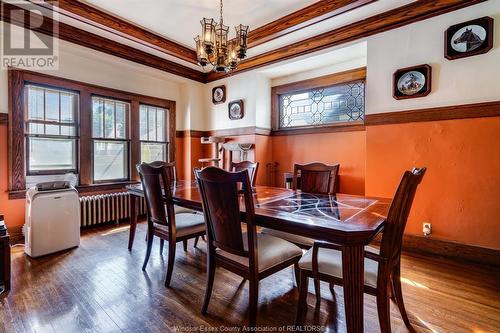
(323, 106)
(51, 131)
(152, 128)
(110, 139)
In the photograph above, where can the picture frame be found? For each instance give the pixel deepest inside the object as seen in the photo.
(236, 109)
(468, 38)
(412, 82)
(219, 94)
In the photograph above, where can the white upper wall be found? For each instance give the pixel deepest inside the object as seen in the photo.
(462, 81)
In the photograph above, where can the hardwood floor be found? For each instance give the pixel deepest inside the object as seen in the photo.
(99, 287)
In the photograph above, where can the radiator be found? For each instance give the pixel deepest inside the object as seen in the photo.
(109, 207)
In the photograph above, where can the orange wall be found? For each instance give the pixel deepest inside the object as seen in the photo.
(346, 148)
(460, 193)
(12, 209)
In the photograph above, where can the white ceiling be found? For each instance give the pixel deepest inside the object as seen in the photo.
(179, 20)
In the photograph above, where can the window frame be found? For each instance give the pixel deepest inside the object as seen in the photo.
(18, 79)
(347, 77)
(76, 124)
(166, 124)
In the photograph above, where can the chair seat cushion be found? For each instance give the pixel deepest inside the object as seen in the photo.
(330, 263)
(271, 251)
(186, 224)
(179, 210)
(296, 239)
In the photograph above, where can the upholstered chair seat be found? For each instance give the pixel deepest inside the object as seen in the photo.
(302, 241)
(186, 224)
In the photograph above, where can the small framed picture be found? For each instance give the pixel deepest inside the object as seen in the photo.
(235, 109)
(468, 38)
(412, 82)
(219, 94)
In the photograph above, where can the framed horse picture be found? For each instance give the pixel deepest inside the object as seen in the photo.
(468, 38)
(412, 82)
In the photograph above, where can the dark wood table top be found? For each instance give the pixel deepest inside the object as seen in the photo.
(341, 218)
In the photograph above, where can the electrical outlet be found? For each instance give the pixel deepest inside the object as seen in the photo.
(427, 228)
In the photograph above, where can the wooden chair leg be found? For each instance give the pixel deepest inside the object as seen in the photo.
(210, 283)
(254, 300)
(148, 249)
(171, 261)
(185, 245)
(196, 241)
(317, 291)
(203, 237)
(332, 290)
(398, 294)
(296, 271)
(162, 242)
(302, 303)
(383, 308)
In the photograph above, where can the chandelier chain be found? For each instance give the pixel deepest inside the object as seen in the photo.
(221, 17)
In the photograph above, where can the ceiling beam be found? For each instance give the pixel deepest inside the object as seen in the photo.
(84, 38)
(302, 18)
(93, 16)
(395, 18)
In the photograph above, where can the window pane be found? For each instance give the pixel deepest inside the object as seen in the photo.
(51, 154)
(51, 105)
(152, 124)
(160, 124)
(110, 160)
(97, 118)
(52, 129)
(35, 103)
(68, 130)
(143, 120)
(120, 121)
(340, 103)
(36, 128)
(151, 152)
(67, 105)
(109, 119)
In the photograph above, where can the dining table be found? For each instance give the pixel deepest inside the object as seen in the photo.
(351, 221)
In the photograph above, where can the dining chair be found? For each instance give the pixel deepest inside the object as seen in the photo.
(382, 274)
(157, 181)
(249, 254)
(315, 178)
(246, 165)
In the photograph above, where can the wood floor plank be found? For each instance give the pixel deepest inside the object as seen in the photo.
(100, 287)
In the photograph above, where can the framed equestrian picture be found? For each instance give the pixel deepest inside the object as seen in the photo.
(468, 38)
(235, 109)
(219, 94)
(412, 82)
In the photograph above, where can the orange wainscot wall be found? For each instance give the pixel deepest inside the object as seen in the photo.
(460, 193)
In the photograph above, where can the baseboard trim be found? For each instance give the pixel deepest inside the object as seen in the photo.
(430, 246)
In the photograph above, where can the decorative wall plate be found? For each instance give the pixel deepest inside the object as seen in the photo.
(468, 38)
(219, 94)
(235, 109)
(412, 82)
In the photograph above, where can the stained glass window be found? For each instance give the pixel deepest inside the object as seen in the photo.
(323, 106)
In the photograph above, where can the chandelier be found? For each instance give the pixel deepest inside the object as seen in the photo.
(214, 48)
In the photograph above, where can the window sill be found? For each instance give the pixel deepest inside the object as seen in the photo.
(340, 127)
(82, 189)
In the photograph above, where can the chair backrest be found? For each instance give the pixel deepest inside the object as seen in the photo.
(157, 179)
(251, 167)
(397, 217)
(316, 177)
(220, 194)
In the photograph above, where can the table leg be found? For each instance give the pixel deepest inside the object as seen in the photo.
(353, 276)
(133, 221)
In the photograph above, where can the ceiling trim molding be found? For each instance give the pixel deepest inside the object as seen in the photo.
(100, 19)
(84, 38)
(395, 18)
(302, 18)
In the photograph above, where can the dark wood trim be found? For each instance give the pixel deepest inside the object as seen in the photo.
(250, 130)
(431, 246)
(302, 18)
(353, 75)
(17, 81)
(84, 38)
(395, 18)
(4, 118)
(101, 19)
(191, 134)
(477, 110)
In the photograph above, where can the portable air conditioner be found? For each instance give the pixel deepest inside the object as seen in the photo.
(52, 218)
